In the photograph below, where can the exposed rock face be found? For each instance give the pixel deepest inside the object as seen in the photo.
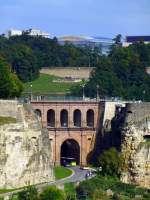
(25, 150)
(136, 144)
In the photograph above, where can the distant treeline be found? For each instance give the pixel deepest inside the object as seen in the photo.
(27, 55)
(121, 73)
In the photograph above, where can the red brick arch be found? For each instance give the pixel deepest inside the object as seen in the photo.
(84, 135)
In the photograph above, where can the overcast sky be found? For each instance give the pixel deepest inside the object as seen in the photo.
(84, 17)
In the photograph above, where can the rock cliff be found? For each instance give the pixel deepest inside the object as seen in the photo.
(136, 144)
(25, 149)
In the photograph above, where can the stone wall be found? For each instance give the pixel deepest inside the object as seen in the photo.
(8, 108)
(136, 144)
(25, 151)
(110, 109)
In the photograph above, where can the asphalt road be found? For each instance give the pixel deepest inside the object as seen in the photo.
(77, 176)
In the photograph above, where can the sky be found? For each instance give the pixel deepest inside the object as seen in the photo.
(105, 18)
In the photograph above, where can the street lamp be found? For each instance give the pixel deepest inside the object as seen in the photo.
(97, 92)
(143, 95)
(83, 92)
(31, 91)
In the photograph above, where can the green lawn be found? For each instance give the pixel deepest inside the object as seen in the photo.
(45, 85)
(62, 172)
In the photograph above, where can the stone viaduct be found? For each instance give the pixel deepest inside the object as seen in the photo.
(72, 126)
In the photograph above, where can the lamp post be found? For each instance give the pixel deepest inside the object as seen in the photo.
(97, 92)
(30, 91)
(83, 92)
(143, 95)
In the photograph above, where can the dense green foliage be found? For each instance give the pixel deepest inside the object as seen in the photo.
(70, 191)
(52, 193)
(99, 187)
(122, 73)
(10, 85)
(28, 54)
(49, 193)
(30, 193)
(61, 172)
(96, 188)
(111, 162)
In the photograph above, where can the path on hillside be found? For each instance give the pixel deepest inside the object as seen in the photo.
(77, 176)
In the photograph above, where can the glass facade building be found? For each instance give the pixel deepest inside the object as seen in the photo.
(101, 42)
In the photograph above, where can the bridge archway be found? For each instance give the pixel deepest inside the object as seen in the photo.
(77, 118)
(64, 118)
(70, 150)
(51, 118)
(38, 112)
(90, 118)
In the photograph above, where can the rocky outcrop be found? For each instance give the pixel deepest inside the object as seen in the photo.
(25, 150)
(136, 144)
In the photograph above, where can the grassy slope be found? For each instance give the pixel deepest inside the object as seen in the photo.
(62, 172)
(45, 85)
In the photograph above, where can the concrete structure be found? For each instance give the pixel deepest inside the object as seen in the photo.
(73, 123)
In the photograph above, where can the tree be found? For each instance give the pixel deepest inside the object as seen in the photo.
(10, 85)
(117, 39)
(111, 162)
(24, 63)
(52, 193)
(104, 76)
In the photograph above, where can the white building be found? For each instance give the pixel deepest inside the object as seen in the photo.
(37, 32)
(13, 32)
(31, 32)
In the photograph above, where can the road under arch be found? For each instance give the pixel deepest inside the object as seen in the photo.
(70, 150)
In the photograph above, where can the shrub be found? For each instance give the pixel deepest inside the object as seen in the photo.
(52, 193)
(70, 191)
(30, 193)
(111, 162)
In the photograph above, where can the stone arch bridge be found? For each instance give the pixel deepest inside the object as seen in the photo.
(72, 127)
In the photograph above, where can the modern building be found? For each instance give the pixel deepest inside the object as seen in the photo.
(134, 39)
(101, 42)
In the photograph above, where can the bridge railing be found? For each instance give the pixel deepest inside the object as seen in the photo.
(62, 98)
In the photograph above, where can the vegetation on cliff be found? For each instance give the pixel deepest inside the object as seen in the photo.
(111, 162)
(10, 85)
(98, 188)
(7, 120)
